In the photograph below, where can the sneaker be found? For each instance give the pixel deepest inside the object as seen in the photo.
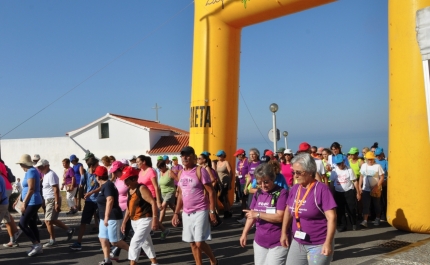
(38, 249)
(70, 234)
(105, 263)
(376, 222)
(17, 234)
(11, 245)
(364, 223)
(31, 249)
(164, 234)
(50, 243)
(113, 257)
(242, 221)
(76, 246)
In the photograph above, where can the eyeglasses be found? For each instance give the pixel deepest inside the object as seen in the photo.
(298, 172)
(266, 181)
(319, 154)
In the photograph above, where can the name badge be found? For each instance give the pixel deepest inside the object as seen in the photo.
(240, 176)
(271, 210)
(300, 235)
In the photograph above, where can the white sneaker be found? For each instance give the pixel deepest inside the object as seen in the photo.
(50, 243)
(38, 249)
(376, 222)
(364, 223)
(17, 234)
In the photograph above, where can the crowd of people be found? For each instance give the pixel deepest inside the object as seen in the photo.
(295, 201)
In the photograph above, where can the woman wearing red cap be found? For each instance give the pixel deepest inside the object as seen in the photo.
(110, 215)
(141, 207)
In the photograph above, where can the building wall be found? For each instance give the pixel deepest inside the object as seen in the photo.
(53, 149)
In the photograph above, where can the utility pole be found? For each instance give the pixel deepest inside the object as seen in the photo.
(156, 112)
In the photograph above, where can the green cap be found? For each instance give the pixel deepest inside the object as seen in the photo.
(280, 150)
(88, 155)
(174, 158)
(159, 158)
(353, 150)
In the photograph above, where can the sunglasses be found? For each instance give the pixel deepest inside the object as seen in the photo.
(319, 154)
(298, 172)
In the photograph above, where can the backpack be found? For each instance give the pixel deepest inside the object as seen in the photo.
(10, 176)
(275, 196)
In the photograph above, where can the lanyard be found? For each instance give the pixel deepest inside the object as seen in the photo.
(300, 202)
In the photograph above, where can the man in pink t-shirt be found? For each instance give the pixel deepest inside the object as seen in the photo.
(196, 198)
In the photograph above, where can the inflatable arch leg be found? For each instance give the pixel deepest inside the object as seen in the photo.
(215, 73)
(408, 181)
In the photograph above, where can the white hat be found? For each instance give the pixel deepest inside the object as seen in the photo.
(124, 161)
(288, 151)
(36, 157)
(25, 160)
(132, 158)
(42, 162)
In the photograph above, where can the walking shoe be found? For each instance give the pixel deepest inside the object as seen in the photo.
(364, 223)
(76, 246)
(31, 249)
(376, 222)
(113, 257)
(50, 243)
(70, 234)
(164, 234)
(17, 234)
(105, 263)
(11, 245)
(242, 221)
(38, 249)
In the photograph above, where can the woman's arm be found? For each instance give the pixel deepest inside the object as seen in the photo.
(248, 225)
(286, 224)
(275, 218)
(327, 248)
(360, 184)
(125, 220)
(173, 175)
(157, 191)
(109, 205)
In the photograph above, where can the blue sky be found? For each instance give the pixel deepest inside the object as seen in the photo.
(326, 68)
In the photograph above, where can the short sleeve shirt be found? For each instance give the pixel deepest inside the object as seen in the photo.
(90, 182)
(370, 175)
(50, 179)
(109, 189)
(193, 195)
(36, 198)
(267, 234)
(343, 179)
(3, 198)
(145, 178)
(243, 169)
(68, 175)
(311, 213)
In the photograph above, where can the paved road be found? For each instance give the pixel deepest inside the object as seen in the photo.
(352, 247)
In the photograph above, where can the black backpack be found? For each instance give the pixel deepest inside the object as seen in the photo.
(10, 176)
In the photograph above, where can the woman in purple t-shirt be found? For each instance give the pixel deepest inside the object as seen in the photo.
(311, 214)
(267, 212)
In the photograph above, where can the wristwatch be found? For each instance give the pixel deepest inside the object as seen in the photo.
(258, 215)
(212, 211)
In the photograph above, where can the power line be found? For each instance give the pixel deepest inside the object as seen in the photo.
(106, 65)
(253, 118)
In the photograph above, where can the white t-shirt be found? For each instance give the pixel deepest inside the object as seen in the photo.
(370, 175)
(342, 179)
(50, 179)
(320, 167)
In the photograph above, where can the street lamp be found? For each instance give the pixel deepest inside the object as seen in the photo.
(285, 134)
(274, 108)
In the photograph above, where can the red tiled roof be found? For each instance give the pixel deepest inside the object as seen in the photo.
(151, 124)
(170, 144)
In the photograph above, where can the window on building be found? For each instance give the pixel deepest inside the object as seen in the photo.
(104, 130)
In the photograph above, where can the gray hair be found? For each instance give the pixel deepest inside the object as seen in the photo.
(265, 170)
(255, 150)
(306, 161)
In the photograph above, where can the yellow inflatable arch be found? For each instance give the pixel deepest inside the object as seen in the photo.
(215, 90)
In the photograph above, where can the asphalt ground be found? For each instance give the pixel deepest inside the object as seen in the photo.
(375, 245)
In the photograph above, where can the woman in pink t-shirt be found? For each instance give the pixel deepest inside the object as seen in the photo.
(148, 177)
(286, 167)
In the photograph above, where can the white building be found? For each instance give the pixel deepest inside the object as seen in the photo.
(112, 134)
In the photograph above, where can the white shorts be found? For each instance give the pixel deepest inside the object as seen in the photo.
(141, 239)
(112, 231)
(196, 227)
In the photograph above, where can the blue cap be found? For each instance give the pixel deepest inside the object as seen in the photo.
(206, 153)
(338, 159)
(220, 153)
(378, 151)
(165, 157)
(73, 157)
(265, 159)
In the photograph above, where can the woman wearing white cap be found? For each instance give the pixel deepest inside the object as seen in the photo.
(29, 204)
(286, 167)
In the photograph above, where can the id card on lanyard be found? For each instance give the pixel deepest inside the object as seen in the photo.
(299, 233)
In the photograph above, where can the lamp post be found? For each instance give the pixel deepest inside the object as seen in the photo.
(274, 108)
(285, 134)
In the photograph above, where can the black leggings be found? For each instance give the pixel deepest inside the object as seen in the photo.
(28, 222)
(367, 199)
(346, 201)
